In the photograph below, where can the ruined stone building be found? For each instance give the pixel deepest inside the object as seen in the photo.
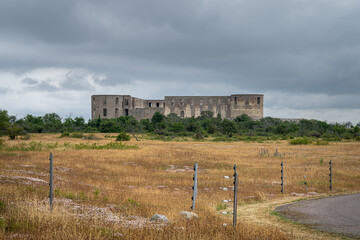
(229, 107)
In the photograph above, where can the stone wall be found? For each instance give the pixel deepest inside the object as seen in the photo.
(112, 106)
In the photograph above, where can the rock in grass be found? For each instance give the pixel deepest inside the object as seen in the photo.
(159, 218)
(188, 215)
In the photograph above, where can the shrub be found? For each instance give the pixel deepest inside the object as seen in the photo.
(123, 137)
(301, 141)
(319, 142)
(198, 135)
(77, 135)
(65, 134)
(13, 131)
(91, 136)
(25, 137)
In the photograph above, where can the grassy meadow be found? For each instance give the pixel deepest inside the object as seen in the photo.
(105, 189)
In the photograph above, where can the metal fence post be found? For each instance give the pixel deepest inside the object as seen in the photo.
(194, 187)
(330, 175)
(51, 181)
(235, 196)
(282, 177)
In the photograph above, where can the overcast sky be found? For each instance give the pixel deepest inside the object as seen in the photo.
(303, 55)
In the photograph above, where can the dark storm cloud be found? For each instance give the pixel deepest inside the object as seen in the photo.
(30, 81)
(296, 47)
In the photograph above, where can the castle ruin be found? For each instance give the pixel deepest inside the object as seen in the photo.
(229, 107)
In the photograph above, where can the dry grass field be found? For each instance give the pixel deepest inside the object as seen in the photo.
(106, 193)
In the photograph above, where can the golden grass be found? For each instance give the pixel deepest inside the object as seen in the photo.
(105, 194)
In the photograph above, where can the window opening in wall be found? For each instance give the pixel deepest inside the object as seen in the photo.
(104, 112)
(247, 101)
(116, 112)
(150, 104)
(258, 100)
(126, 101)
(93, 98)
(235, 100)
(164, 104)
(157, 104)
(117, 100)
(201, 103)
(126, 112)
(182, 114)
(104, 100)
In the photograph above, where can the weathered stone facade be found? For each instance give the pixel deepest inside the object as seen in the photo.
(113, 106)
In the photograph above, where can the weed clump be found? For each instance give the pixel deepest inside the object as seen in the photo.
(70, 195)
(221, 207)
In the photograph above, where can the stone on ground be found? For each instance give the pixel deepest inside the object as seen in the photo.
(188, 215)
(159, 218)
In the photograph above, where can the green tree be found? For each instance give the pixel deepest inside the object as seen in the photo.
(206, 114)
(146, 125)
(52, 123)
(157, 121)
(4, 122)
(110, 126)
(228, 127)
(32, 124)
(157, 118)
(177, 127)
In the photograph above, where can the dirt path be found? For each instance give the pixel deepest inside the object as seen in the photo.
(264, 214)
(336, 214)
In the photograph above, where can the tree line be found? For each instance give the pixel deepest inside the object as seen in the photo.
(172, 125)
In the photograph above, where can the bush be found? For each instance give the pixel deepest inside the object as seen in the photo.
(123, 137)
(13, 131)
(319, 142)
(77, 135)
(90, 136)
(25, 137)
(198, 135)
(65, 134)
(301, 141)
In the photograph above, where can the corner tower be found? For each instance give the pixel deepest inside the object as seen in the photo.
(250, 104)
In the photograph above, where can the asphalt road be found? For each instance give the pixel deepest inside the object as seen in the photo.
(336, 214)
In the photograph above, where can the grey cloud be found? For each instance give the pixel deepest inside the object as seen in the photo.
(30, 81)
(296, 47)
(3, 90)
(76, 80)
(43, 86)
